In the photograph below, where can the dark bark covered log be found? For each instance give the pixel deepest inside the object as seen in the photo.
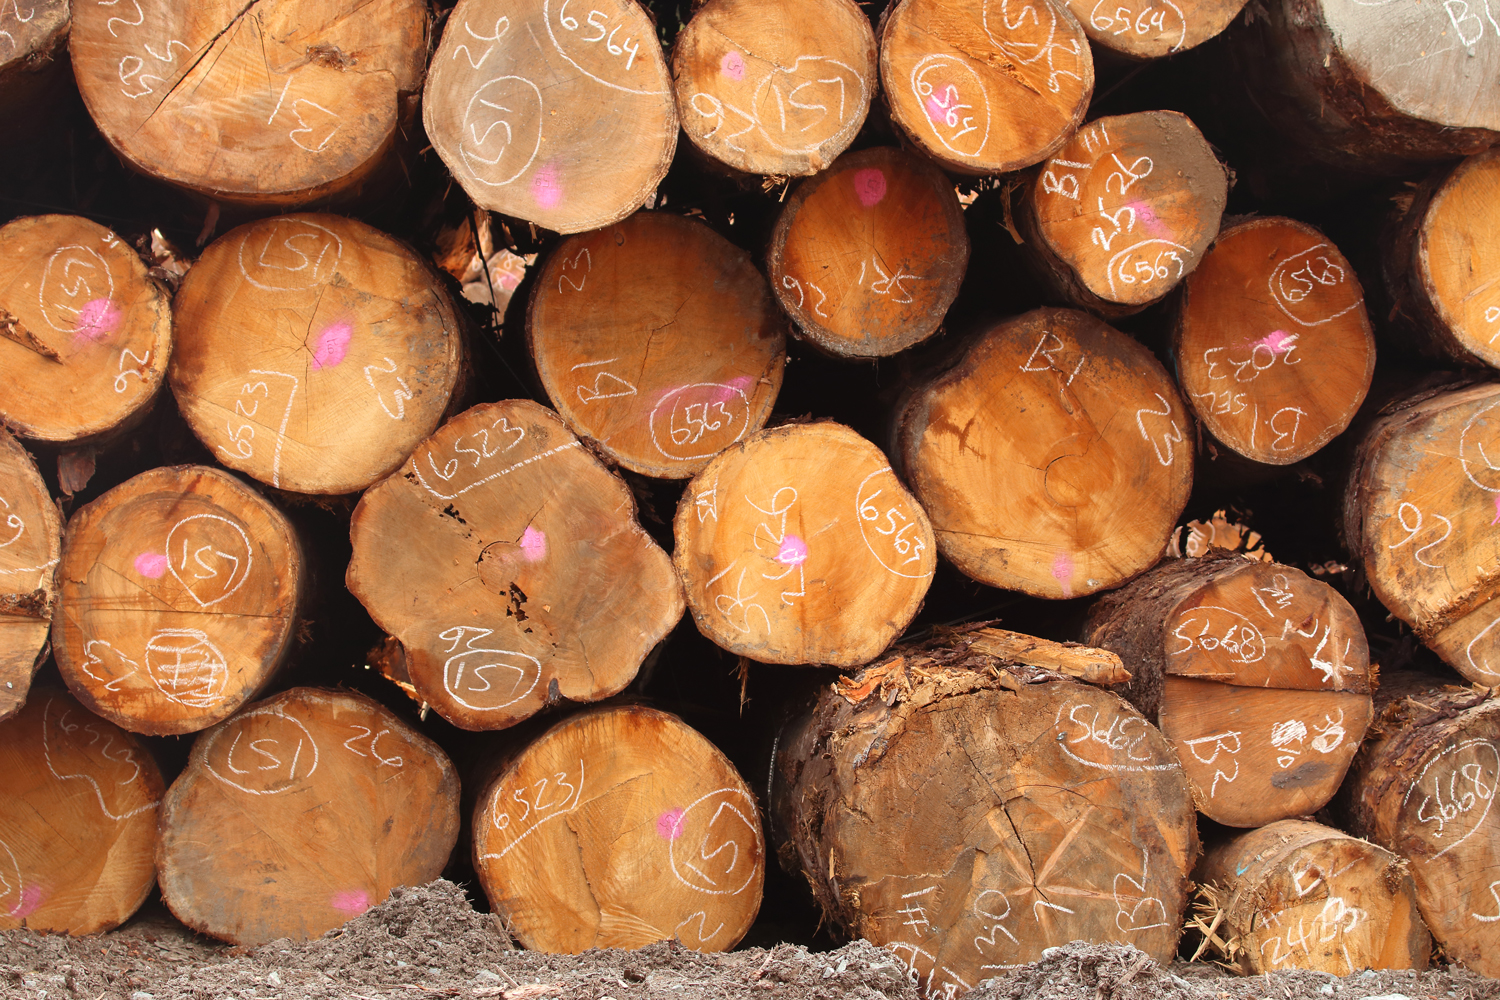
(1273, 345)
(78, 808)
(508, 562)
(618, 827)
(966, 814)
(1424, 787)
(85, 335)
(1419, 515)
(30, 547)
(1257, 674)
(313, 352)
(560, 113)
(1054, 459)
(778, 87)
(177, 594)
(1299, 895)
(301, 812)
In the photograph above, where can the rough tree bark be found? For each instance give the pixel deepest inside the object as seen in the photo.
(867, 257)
(657, 339)
(1299, 895)
(85, 335)
(301, 812)
(967, 813)
(800, 545)
(1419, 510)
(30, 547)
(618, 827)
(1424, 786)
(563, 117)
(1125, 210)
(1257, 674)
(985, 87)
(779, 87)
(505, 532)
(269, 103)
(177, 594)
(313, 352)
(78, 809)
(1273, 345)
(1054, 459)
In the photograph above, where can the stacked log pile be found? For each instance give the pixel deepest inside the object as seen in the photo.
(550, 502)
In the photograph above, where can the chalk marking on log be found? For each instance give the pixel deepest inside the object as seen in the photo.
(236, 723)
(249, 559)
(416, 470)
(558, 810)
(609, 44)
(730, 843)
(452, 681)
(79, 289)
(98, 794)
(1458, 804)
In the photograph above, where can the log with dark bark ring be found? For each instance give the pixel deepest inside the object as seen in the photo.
(30, 549)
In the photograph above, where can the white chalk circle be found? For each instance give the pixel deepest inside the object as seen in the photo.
(475, 678)
(719, 846)
(699, 420)
(289, 255)
(502, 130)
(186, 667)
(74, 276)
(271, 760)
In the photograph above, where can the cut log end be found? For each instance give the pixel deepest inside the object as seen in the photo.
(30, 548)
(620, 827)
(329, 790)
(1150, 29)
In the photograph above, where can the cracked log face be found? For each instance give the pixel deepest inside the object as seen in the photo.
(177, 594)
(983, 87)
(619, 827)
(314, 352)
(867, 257)
(1273, 346)
(507, 560)
(1257, 674)
(1425, 789)
(78, 810)
(966, 815)
(1149, 29)
(264, 102)
(801, 546)
(85, 335)
(30, 547)
(1300, 895)
(1054, 459)
(779, 87)
(1419, 515)
(562, 117)
(658, 340)
(1125, 210)
(329, 791)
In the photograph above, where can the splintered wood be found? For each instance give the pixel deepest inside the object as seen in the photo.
(313, 351)
(777, 87)
(78, 809)
(507, 560)
(659, 340)
(1424, 787)
(267, 103)
(563, 118)
(1125, 210)
(619, 827)
(1273, 345)
(1148, 29)
(178, 590)
(867, 257)
(30, 548)
(1299, 895)
(1054, 459)
(329, 791)
(982, 89)
(84, 335)
(1257, 674)
(801, 546)
(1420, 514)
(980, 813)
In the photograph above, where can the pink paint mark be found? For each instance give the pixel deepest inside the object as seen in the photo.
(509, 280)
(869, 184)
(333, 344)
(96, 320)
(1279, 341)
(1497, 511)
(353, 902)
(1062, 572)
(1147, 217)
(733, 66)
(546, 188)
(734, 387)
(793, 551)
(152, 564)
(31, 898)
(533, 544)
(669, 823)
(936, 111)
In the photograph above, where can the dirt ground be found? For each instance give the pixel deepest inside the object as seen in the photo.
(429, 942)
